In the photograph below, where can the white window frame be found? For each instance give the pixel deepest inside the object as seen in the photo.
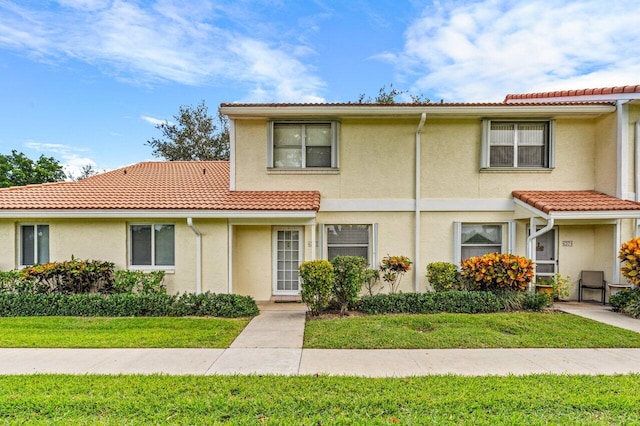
(153, 266)
(372, 245)
(508, 237)
(485, 155)
(334, 145)
(36, 243)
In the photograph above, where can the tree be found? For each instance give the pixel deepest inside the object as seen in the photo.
(17, 169)
(194, 138)
(86, 171)
(389, 96)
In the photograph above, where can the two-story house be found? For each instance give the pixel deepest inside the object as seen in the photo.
(552, 176)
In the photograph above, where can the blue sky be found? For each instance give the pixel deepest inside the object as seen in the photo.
(85, 81)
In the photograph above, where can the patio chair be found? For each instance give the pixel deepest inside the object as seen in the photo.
(592, 280)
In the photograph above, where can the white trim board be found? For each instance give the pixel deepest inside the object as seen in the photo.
(408, 205)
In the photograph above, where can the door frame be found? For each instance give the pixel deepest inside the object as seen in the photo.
(555, 262)
(274, 257)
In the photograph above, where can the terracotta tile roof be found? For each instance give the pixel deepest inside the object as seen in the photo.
(403, 105)
(175, 185)
(581, 92)
(573, 201)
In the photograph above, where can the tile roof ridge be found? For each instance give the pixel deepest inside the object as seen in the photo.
(575, 92)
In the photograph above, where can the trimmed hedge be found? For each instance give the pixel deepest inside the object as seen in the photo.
(125, 305)
(469, 302)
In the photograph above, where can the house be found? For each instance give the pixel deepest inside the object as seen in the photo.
(553, 176)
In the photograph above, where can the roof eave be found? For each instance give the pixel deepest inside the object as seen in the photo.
(507, 110)
(154, 213)
(579, 215)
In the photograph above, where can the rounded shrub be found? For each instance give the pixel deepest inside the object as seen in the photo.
(316, 280)
(443, 276)
(495, 271)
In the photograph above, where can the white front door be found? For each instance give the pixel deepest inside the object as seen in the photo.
(287, 256)
(546, 255)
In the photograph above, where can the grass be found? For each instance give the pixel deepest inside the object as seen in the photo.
(440, 331)
(240, 400)
(96, 332)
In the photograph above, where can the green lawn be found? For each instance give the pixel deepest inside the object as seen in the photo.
(439, 331)
(81, 332)
(253, 400)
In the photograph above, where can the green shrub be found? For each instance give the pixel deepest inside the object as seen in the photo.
(515, 300)
(495, 271)
(349, 274)
(469, 302)
(71, 277)
(139, 282)
(443, 276)
(124, 305)
(316, 278)
(627, 301)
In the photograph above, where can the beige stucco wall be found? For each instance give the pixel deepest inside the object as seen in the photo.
(451, 162)
(252, 261)
(376, 161)
(106, 239)
(7, 245)
(606, 155)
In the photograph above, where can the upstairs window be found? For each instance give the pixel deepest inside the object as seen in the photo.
(34, 244)
(517, 145)
(294, 145)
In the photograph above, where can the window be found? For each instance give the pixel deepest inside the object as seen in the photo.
(152, 245)
(477, 239)
(348, 240)
(34, 244)
(517, 144)
(303, 145)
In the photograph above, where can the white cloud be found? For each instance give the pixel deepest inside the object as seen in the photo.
(482, 50)
(72, 159)
(154, 121)
(188, 42)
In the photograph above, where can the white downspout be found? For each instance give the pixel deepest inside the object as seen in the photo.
(622, 142)
(198, 255)
(530, 240)
(636, 142)
(416, 264)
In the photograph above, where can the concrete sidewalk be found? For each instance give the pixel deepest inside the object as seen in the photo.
(272, 344)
